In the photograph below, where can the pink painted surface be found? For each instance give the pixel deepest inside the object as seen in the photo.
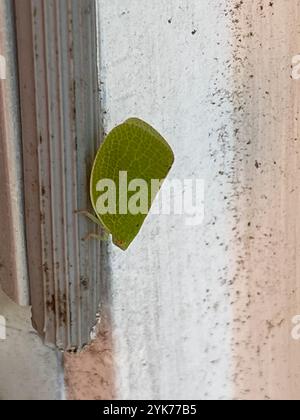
(266, 284)
(89, 375)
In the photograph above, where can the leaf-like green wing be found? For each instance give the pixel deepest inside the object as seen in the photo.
(137, 149)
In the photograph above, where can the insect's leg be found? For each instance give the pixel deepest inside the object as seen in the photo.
(89, 216)
(104, 237)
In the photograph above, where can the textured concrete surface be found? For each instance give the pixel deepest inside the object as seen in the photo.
(28, 369)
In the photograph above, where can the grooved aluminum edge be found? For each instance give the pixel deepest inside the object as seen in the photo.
(13, 269)
(60, 117)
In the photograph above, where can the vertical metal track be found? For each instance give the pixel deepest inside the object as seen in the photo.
(13, 268)
(57, 53)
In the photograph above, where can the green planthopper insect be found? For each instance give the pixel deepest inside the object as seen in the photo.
(128, 172)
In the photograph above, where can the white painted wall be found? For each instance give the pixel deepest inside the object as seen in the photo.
(169, 292)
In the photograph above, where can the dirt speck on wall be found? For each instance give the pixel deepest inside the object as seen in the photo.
(89, 375)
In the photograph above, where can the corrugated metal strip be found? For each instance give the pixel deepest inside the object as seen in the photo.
(60, 116)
